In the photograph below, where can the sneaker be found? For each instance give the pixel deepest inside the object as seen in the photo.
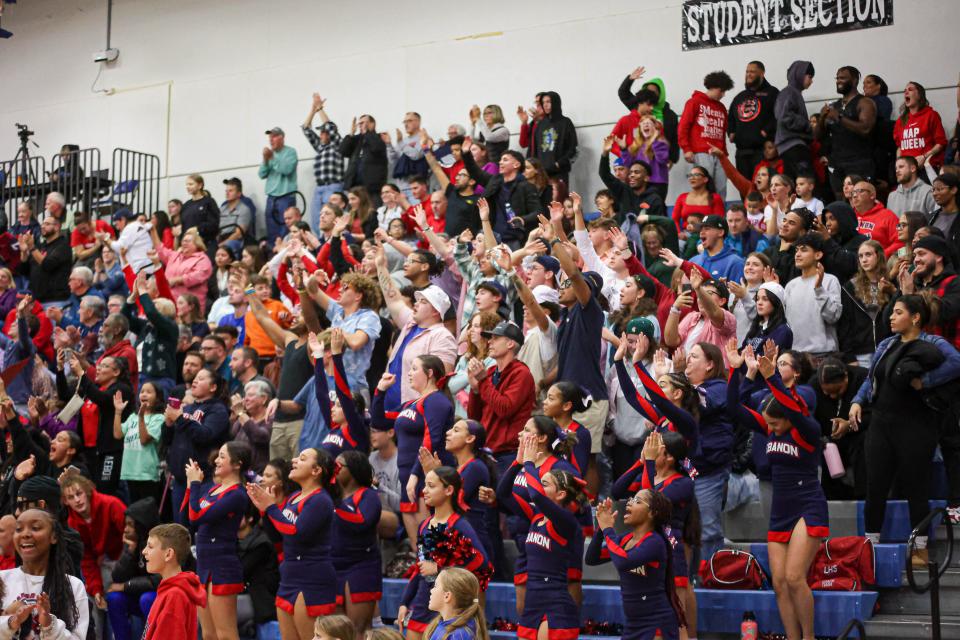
(954, 514)
(919, 558)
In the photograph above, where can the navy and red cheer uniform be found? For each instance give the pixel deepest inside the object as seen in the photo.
(580, 457)
(307, 567)
(513, 495)
(794, 461)
(416, 597)
(475, 474)
(357, 560)
(355, 434)
(646, 607)
(216, 515)
(423, 422)
(550, 550)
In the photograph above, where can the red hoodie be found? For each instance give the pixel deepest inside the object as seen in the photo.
(174, 612)
(102, 536)
(919, 134)
(703, 123)
(880, 224)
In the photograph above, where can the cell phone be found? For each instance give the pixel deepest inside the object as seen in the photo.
(687, 288)
(174, 403)
(73, 469)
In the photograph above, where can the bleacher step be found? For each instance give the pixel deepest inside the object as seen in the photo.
(912, 627)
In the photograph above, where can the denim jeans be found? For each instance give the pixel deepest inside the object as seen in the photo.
(321, 195)
(273, 213)
(712, 164)
(710, 491)
(121, 607)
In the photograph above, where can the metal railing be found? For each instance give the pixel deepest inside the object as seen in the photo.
(23, 180)
(853, 624)
(136, 181)
(935, 572)
(77, 174)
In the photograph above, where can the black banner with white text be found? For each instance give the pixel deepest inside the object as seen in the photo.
(721, 23)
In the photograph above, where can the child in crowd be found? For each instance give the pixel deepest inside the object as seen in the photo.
(174, 613)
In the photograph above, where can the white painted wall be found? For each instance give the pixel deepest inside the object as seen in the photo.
(198, 81)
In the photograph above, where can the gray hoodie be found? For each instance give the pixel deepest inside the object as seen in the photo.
(793, 123)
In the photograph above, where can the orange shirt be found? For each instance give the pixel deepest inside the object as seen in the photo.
(256, 337)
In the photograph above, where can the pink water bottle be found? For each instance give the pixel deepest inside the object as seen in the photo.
(748, 628)
(834, 464)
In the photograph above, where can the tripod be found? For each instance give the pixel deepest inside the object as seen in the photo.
(26, 174)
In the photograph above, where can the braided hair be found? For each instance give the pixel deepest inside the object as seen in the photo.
(660, 510)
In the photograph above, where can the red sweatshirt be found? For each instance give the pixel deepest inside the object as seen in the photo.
(102, 536)
(506, 407)
(922, 131)
(174, 612)
(703, 123)
(880, 224)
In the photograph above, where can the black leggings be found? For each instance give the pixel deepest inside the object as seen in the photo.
(899, 448)
(797, 160)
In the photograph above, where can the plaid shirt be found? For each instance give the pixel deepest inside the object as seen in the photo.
(328, 165)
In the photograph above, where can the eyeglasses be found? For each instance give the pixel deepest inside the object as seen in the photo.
(637, 500)
(902, 225)
(856, 191)
(694, 174)
(566, 284)
(413, 261)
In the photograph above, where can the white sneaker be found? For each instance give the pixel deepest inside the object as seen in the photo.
(954, 514)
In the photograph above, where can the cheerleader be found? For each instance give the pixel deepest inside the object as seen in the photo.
(563, 400)
(357, 561)
(798, 516)
(441, 490)
(549, 610)
(422, 422)
(551, 445)
(216, 514)
(456, 597)
(348, 429)
(308, 581)
(644, 560)
(466, 441)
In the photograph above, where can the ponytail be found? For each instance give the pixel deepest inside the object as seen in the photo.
(465, 589)
(579, 397)
(574, 486)
(660, 510)
(480, 450)
(559, 440)
(450, 477)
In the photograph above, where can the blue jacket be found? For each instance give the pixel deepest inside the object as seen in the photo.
(716, 430)
(725, 264)
(14, 351)
(947, 371)
(203, 427)
(743, 244)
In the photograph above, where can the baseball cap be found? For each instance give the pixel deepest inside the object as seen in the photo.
(594, 281)
(543, 293)
(276, 131)
(494, 287)
(436, 297)
(235, 182)
(715, 222)
(507, 330)
(549, 263)
(123, 214)
(638, 326)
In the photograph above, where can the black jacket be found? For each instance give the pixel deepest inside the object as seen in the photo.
(627, 199)
(953, 236)
(524, 200)
(367, 162)
(857, 332)
(670, 120)
(204, 214)
(828, 408)
(48, 279)
(783, 262)
(555, 139)
(129, 570)
(751, 118)
(840, 252)
(103, 398)
(261, 574)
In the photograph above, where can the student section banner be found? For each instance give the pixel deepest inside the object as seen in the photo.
(721, 23)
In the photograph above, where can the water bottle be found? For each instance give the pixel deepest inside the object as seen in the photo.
(509, 214)
(834, 464)
(748, 628)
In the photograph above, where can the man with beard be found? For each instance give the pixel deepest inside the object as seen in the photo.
(114, 342)
(192, 364)
(912, 193)
(462, 212)
(48, 263)
(845, 130)
(634, 196)
(751, 121)
(934, 271)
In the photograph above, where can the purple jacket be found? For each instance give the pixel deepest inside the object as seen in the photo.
(659, 172)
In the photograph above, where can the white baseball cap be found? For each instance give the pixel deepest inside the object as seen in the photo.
(436, 297)
(543, 293)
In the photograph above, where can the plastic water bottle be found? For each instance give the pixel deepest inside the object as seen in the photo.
(834, 464)
(748, 628)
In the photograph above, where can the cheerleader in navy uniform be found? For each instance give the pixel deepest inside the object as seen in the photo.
(644, 560)
(466, 441)
(552, 446)
(348, 429)
(798, 516)
(419, 423)
(674, 406)
(357, 559)
(445, 539)
(562, 401)
(549, 610)
(308, 581)
(215, 514)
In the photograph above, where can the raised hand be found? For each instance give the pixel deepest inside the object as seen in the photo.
(608, 144)
(637, 73)
(119, 404)
(386, 381)
(316, 345)
(547, 232)
(696, 278)
(556, 211)
(679, 359)
(768, 361)
(651, 447)
(621, 349)
(429, 460)
(25, 304)
(750, 359)
(671, 259)
(503, 257)
(606, 516)
(738, 289)
(734, 359)
(193, 471)
(619, 239)
(484, 208)
(661, 363)
(337, 341)
(643, 345)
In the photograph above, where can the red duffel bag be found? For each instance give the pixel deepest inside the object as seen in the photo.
(731, 569)
(846, 563)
